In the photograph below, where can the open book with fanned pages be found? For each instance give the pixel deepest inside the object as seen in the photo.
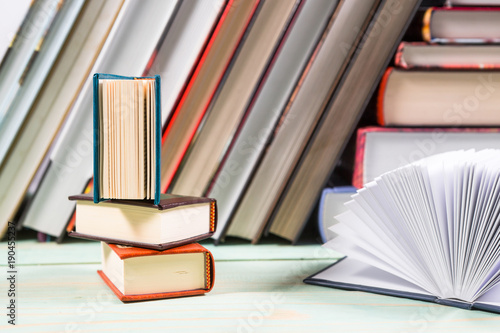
(428, 231)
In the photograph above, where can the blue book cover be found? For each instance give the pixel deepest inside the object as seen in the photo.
(96, 132)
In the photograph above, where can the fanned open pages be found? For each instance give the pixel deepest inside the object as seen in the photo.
(434, 223)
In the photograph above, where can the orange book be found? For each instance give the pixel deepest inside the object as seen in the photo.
(138, 274)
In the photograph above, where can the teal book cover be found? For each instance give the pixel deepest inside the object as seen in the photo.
(151, 133)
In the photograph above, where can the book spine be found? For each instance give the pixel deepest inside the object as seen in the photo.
(95, 83)
(158, 140)
(213, 216)
(208, 269)
(426, 25)
(381, 96)
(357, 177)
(399, 60)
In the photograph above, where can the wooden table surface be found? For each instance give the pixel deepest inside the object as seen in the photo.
(257, 289)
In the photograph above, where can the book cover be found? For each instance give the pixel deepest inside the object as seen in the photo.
(155, 137)
(171, 275)
(193, 219)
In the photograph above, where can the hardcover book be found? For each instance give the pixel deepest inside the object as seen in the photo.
(175, 221)
(461, 25)
(426, 231)
(418, 55)
(331, 204)
(137, 274)
(127, 137)
(379, 149)
(439, 98)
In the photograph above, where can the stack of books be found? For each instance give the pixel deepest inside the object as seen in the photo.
(442, 94)
(148, 239)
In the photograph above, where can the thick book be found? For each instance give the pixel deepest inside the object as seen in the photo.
(418, 55)
(127, 137)
(461, 25)
(380, 149)
(323, 73)
(188, 112)
(175, 221)
(439, 98)
(250, 66)
(243, 155)
(339, 118)
(427, 230)
(331, 204)
(137, 274)
(133, 39)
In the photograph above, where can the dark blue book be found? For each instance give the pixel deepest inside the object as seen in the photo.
(127, 137)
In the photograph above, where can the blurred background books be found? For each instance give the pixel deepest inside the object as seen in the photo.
(260, 99)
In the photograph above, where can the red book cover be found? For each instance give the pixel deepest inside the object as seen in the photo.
(422, 147)
(134, 252)
(381, 95)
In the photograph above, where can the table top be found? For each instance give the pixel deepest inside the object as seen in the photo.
(258, 288)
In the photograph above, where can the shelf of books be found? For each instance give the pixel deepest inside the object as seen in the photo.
(261, 102)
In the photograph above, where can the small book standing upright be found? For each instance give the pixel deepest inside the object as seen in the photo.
(127, 134)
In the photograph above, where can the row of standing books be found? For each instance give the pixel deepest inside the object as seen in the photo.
(224, 65)
(256, 111)
(425, 181)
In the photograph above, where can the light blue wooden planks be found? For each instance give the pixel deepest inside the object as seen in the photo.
(265, 295)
